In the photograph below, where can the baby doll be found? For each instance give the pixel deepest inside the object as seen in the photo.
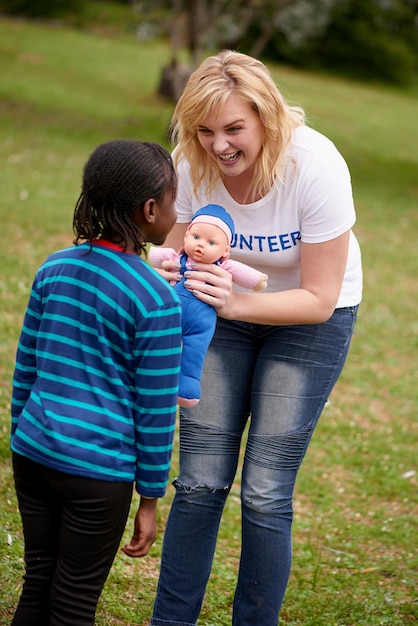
(208, 240)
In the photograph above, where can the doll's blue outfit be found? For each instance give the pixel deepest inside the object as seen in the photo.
(199, 318)
(198, 326)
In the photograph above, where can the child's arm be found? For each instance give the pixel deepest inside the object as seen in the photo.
(25, 372)
(245, 276)
(157, 357)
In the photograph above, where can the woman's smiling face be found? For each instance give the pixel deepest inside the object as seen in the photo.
(233, 137)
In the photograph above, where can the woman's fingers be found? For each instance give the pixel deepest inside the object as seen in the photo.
(210, 283)
(169, 272)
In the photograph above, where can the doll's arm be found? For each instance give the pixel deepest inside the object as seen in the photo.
(157, 255)
(245, 276)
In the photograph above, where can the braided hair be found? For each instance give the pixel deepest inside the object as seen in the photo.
(118, 178)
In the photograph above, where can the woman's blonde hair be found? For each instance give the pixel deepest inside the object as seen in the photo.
(207, 89)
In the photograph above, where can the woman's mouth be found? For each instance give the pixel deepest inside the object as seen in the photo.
(228, 158)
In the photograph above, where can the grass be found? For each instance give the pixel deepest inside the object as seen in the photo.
(63, 91)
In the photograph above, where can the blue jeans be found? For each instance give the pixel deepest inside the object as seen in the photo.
(281, 378)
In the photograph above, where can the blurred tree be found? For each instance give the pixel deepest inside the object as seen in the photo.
(192, 24)
(372, 39)
(199, 25)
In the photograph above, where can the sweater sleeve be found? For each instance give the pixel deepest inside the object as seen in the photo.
(157, 353)
(25, 366)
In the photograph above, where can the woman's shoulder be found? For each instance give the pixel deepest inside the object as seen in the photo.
(307, 141)
(181, 162)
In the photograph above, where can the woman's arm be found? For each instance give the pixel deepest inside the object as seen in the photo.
(322, 272)
(175, 237)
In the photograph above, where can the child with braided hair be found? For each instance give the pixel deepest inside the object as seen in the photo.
(95, 387)
(208, 239)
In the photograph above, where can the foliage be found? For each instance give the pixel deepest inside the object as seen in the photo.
(366, 39)
(41, 8)
(370, 41)
(64, 91)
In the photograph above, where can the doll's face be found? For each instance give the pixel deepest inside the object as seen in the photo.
(206, 243)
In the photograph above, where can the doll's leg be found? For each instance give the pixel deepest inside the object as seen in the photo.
(198, 321)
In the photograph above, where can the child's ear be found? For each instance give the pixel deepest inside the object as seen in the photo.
(149, 211)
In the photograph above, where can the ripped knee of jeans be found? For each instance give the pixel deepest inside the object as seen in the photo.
(179, 486)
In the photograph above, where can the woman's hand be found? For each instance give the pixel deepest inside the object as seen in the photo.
(211, 284)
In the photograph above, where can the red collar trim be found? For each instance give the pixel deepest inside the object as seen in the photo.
(109, 244)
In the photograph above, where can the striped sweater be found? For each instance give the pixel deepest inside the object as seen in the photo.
(97, 368)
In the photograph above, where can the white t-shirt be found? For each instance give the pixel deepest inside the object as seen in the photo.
(313, 205)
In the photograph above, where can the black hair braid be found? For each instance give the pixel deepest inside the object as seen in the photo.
(119, 177)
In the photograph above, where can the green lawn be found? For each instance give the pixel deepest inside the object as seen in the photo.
(62, 92)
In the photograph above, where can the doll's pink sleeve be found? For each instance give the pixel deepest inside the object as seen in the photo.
(245, 276)
(157, 255)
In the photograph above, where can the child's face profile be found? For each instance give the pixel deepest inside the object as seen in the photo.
(206, 243)
(161, 217)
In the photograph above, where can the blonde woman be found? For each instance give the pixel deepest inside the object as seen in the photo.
(276, 355)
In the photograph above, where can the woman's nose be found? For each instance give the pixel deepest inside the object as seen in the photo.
(220, 144)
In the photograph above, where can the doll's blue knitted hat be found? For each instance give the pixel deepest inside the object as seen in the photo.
(215, 214)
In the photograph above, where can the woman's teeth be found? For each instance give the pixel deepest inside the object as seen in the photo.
(228, 157)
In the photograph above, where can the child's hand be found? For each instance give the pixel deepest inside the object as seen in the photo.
(145, 529)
